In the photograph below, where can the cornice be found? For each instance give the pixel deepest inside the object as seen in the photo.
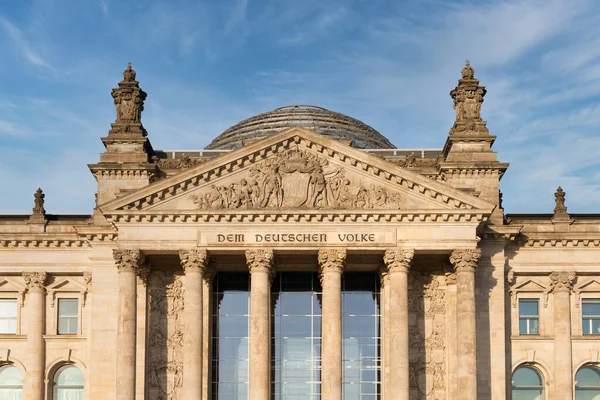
(248, 155)
(97, 233)
(561, 241)
(42, 241)
(452, 216)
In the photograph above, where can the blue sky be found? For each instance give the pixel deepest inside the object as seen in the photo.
(209, 64)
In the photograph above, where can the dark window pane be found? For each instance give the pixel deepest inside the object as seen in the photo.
(591, 308)
(595, 327)
(526, 377)
(296, 281)
(523, 327)
(528, 307)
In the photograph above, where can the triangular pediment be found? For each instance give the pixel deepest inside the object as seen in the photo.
(296, 170)
(529, 285)
(592, 285)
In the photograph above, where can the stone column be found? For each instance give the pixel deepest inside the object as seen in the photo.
(130, 263)
(260, 264)
(398, 262)
(331, 266)
(193, 262)
(464, 262)
(561, 284)
(36, 293)
(451, 322)
(207, 293)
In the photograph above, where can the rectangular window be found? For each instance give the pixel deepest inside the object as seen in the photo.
(68, 311)
(590, 309)
(8, 316)
(529, 317)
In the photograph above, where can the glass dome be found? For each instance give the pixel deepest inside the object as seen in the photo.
(335, 125)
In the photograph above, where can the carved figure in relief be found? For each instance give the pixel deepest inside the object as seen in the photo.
(165, 342)
(295, 179)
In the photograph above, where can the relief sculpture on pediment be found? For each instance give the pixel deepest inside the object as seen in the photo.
(296, 179)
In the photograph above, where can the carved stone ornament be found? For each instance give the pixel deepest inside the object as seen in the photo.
(132, 261)
(35, 281)
(166, 329)
(398, 260)
(38, 208)
(260, 260)
(296, 179)
(193, 260)
(562, 281)
(331, 260)
(560, 211)
(129, 98)
(184, 162)
(465, 260)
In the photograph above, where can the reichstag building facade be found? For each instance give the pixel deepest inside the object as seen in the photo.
(300, 256)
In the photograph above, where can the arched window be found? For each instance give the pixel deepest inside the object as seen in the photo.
(68, 383)
(11, 383)
(587, 383)
(527, 384)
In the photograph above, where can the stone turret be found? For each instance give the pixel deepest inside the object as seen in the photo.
(125, 165)
(470, 163)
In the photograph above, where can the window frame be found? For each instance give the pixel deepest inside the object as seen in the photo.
(540, 374)
(67, 296)
(591, 299)
(17, 299)
(55, 375)
(529, 299)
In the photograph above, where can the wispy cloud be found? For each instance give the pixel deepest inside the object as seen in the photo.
(24, 46)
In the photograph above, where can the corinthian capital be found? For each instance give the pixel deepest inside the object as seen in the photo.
(398, 259)
(34, 281)
(562, 281)
(193, 260)
(331, 260)
(465, 260)
(260, 260)
(132, 261)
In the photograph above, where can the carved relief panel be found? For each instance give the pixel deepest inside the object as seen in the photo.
(294, 178)
(165, 336)
(427, 336)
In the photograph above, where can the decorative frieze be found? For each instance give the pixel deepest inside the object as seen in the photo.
(465, 260)
(193, 260)
(398, 260)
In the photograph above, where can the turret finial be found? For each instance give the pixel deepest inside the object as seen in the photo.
(560, 210)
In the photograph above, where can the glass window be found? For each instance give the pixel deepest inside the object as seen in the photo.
(590, 309)
(587, 383)
(68, 383)
(296, 336)
(529, 317)
(527, 384)
(11, 383)
(68, 311)
(231, 309)
(360, 333)
(8, 316)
